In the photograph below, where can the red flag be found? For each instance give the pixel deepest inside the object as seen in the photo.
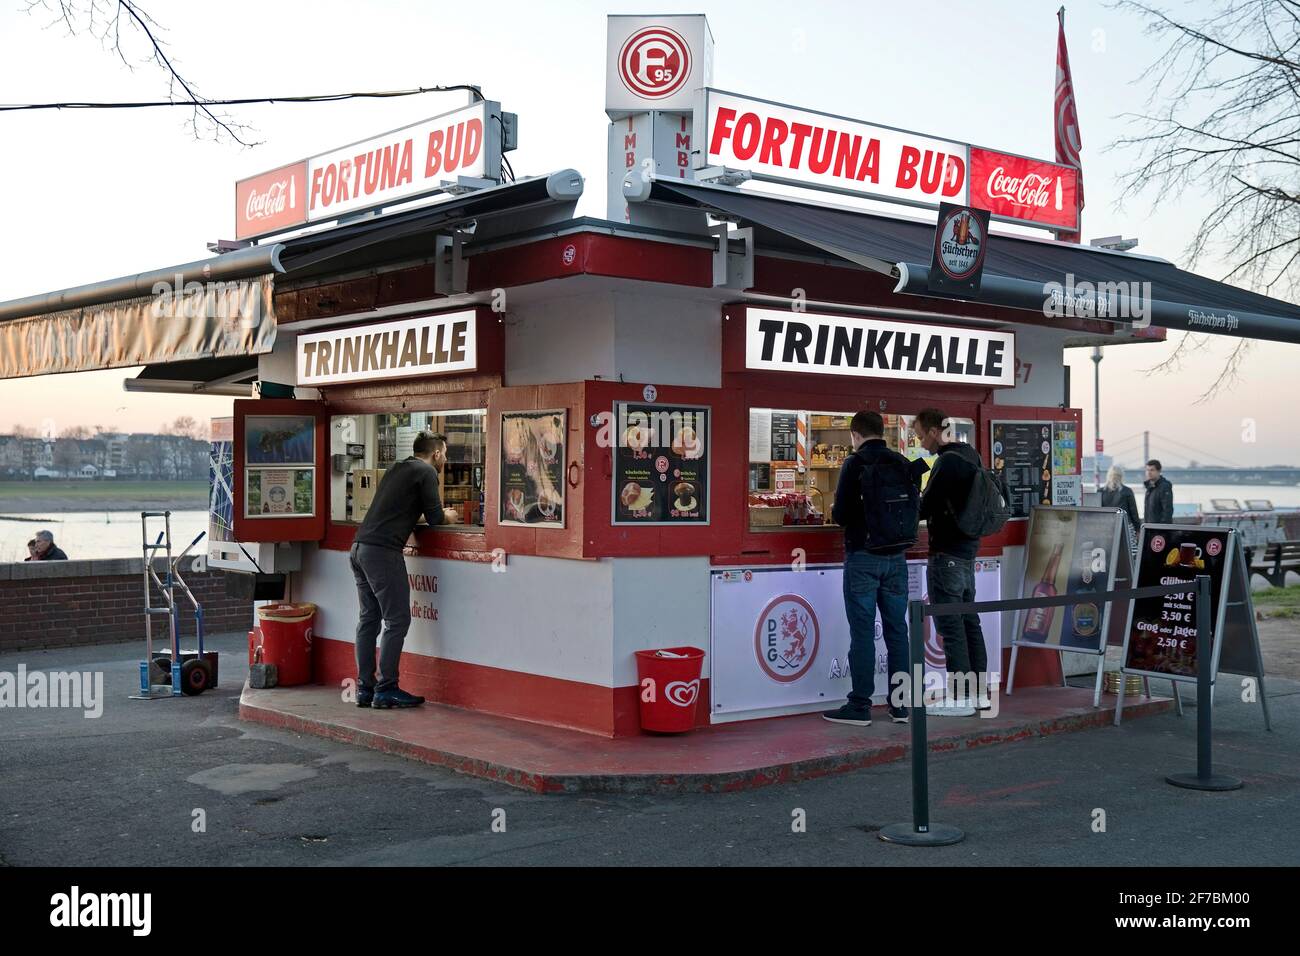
(1066, 118)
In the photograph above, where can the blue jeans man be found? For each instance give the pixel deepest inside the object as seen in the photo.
(873, 581)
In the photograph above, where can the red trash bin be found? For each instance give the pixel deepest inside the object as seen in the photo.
(286, 640)
(675, 672)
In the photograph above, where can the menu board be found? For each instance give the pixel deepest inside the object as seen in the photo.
(661, 464)
(1069, 551)
(785, 436)
(1065, 448)
(1161, 637)
(1022, 458)
(532, 468)
(279, 460)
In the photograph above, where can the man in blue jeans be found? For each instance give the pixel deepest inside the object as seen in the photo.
(950, 573)
(875, 573)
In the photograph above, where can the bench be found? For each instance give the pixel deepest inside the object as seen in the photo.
(1275, 561)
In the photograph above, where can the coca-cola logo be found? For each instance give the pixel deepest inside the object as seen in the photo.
(1032, 189)
(278, 197)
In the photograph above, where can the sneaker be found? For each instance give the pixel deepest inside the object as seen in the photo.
(365, 695)
(396, 697)
(898, 715)
(848, 714)
(951, 708)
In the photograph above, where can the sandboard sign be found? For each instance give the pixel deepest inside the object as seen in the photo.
(1160, 638)
(1072, 551)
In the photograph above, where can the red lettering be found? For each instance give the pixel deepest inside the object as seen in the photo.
(315, 186)
(433, 164)
(907, 168)
(801, 132)
(629, 142)
(773, 137)
(327, 187)
(473, 141)
(389, 178)
(345, 170)
(821, 150)
(954, 175)
(684, 141)
(721, 128)
(451, 159)
(931, 171)
(846, 155)
(748, 132)
(870, 168)
(631, 160)
(359, 164)
(404, 174)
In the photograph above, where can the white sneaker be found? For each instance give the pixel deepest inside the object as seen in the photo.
(959, 707)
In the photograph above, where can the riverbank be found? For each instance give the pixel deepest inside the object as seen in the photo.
(53, 497)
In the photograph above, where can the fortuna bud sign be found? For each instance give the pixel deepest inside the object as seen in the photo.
(785, 341)
(428, 345)
(1026, 190)
(392, 167)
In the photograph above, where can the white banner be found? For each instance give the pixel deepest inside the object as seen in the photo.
(806, 148)
(427, 345)
(786, 341)
(780, 638)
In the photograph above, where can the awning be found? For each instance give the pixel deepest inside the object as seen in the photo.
(213, 308)
(219, 376)
(1020, 272)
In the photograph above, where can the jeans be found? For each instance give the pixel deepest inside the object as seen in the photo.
(384, 591)
(951, 580)
(871, 581)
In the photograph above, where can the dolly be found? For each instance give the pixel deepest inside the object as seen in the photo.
(175, 672)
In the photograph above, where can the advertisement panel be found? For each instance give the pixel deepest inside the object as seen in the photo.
(661, 464)
(1024, 190)
(532, 468)
(656, 62)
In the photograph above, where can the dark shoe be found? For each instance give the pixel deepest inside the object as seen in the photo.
(898, 715)
(365, 695)
(396, 697)
(848, 714)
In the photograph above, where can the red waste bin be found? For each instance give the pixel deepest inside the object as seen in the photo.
(675, 673)
(286, 640)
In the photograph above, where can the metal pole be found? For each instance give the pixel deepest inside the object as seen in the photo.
(1096, 416)
(1204, 778)
(920, 832)
(1146, 447)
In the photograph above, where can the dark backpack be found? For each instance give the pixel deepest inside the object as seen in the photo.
(890, 503)
(987, 507)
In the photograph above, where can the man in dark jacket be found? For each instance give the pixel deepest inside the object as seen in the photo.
(872, 578)
(43, 548)
(409, 489)
(950, 573)
(1158, 508)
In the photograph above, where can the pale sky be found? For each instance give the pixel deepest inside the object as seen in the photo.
(91, 195)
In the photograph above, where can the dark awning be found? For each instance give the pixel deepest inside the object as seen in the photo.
(232, 376)
(1018, 270)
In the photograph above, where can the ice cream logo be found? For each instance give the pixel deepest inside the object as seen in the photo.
(682, 693)
(786, 638)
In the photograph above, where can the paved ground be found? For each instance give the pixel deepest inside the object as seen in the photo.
(125, 788)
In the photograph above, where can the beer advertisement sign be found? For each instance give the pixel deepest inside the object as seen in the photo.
(961, 240)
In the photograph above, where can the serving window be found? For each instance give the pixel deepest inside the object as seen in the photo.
(363, 448)
(795, 457)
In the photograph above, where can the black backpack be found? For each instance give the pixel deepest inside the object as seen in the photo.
(987, 508)
(891, 503)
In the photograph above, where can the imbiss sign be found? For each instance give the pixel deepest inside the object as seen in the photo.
(784, 341)
(428, 345)
(393, 167)
(798, 147)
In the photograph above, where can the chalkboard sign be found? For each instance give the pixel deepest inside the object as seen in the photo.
(1161, 638)
(661, 464)
(532, 468)
(1022, 457)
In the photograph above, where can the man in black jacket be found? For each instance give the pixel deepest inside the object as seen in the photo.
(409, 489)
(875, 578)
(950, 573)
(1158, 508)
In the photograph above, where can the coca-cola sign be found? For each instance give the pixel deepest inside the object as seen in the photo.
(1026, 190)
(271, 201)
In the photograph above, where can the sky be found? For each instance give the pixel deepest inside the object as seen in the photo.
(91, 195)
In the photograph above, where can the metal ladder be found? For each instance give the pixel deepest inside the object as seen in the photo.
(166, 588)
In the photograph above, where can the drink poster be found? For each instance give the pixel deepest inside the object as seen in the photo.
(1161, 637)
(1065, 448)
(1022, 458)
(532, 468)
(661, 464)
(1068, 551)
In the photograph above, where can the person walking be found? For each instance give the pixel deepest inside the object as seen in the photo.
(1158, 508)
(1116, 494)
(876, 502)
(409, 489)
(950, 571)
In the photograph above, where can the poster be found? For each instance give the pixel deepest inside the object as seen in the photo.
(532, 468)
(221, 481)
(1069, 551)
(1065, 448)
(280, 440)
(1067, 490)
(279, 493)
(760, 476)
(1161, 636)
(1022, 458)
(780, 639)
(760, 436)
(661, 464)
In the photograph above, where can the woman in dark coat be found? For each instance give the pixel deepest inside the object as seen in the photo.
(1116, 494)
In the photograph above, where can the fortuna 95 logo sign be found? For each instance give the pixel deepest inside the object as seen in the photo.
(786, 638)
(654, 62)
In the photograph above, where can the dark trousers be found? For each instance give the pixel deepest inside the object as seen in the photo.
(951, 580)
(874, 581)
(384, 591)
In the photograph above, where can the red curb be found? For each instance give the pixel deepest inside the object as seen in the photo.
(763, 753)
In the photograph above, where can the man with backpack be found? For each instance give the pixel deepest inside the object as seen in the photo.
(877, 503)
(963, 502)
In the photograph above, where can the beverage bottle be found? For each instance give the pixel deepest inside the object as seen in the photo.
(1082, 620)
(1038, 623)
(293, 193)
(1058, 193)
